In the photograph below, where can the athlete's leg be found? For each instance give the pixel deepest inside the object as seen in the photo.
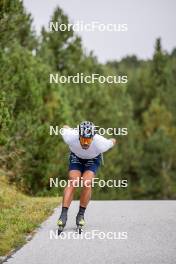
(90, 168)
(87, 177)
(74, 176)
(85, 196)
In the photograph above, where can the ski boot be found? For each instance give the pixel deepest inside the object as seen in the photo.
(61, 223)
(80, 223)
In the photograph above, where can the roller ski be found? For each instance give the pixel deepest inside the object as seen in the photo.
(62, 221)
(80, 223)
(61, 226)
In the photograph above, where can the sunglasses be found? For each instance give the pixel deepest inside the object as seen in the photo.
(85, 141)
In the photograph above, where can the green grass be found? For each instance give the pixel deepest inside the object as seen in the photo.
(20, 215)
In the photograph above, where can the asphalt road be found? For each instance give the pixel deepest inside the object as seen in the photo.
(143, 232)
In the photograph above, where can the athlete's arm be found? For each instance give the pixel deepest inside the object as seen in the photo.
(69, 134)
(114, 141)
(66, 126)
(103, 144)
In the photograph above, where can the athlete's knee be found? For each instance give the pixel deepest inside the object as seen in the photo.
(74, 178)
(87, 179)
(87, 182)
(73, 182)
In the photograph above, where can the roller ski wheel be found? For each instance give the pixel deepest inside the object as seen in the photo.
(80, 224)
(79, 229)
(61, 226)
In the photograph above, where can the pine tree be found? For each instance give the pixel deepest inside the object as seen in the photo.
(158, 74)
(64, 48)
(15, 25)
